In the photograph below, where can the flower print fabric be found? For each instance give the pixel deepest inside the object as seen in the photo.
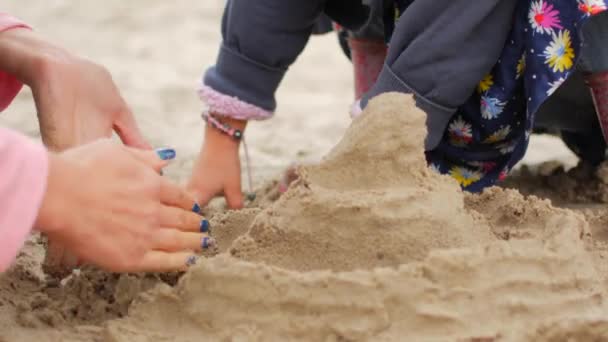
(592, 7)
(489, 134)
(543, 17)
(559, 54)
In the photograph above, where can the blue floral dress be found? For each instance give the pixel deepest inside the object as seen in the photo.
(489, 134)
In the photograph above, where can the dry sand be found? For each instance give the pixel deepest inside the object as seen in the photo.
(369, 244)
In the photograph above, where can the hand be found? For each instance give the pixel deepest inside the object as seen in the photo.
(108, 205)
(217, 170)
(77, 100)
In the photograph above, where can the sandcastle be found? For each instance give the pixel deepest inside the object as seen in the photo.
(372, 245)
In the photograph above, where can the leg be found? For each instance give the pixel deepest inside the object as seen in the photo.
(594, 63)
(367, 49)
(569, 109)
(569, 112)
(578, 110)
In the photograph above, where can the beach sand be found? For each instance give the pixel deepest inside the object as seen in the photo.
(369, 243)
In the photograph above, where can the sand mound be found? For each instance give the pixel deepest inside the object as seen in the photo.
(371, 202)
(371, 245)
(507, 290)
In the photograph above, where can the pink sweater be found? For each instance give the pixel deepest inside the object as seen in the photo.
(23, 172)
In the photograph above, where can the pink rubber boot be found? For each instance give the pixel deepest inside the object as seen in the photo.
(368, 58)
(598, 84)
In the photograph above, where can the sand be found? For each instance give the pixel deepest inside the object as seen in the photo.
(369, 244)
(580, 185)
(371, 202)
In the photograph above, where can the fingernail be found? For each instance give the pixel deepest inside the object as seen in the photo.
(208, 242)
(191, 261)
(166, 153)
(196, 208)
(204, 226)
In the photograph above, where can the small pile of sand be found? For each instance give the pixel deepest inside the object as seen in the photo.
(371, 202)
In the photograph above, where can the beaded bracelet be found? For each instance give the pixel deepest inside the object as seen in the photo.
(237, 135)
(234, 133)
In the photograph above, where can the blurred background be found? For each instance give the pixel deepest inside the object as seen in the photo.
(157, 51)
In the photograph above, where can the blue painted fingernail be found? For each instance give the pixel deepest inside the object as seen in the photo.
(166, 153)
(196, 208)
(204, 226)
(207, 242)
(191, 261)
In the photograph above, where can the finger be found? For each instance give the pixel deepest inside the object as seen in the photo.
(54, 254)
(174, 195)
(158, 261)
(61, 266)
(127, 129)
(156, 159)
(203, 197)
(71, 261)
(184, 220)
(234, 197)
(173, 240)
(55, 262)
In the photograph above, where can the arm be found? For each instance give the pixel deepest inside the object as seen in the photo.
(440, 56)
(23, 174)
(261, 39)
(23, 171)
(9, 85)
(46, 190)
(62, 84)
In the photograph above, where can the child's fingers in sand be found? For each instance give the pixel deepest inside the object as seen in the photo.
(234, 196)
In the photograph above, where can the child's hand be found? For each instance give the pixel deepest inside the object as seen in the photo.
(217, 170)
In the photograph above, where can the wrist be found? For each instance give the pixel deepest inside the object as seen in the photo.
(216, 138)
(54, 214)
(27, 56)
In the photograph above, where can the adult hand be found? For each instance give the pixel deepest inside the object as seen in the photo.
(217, 170)
(107, 204)
(76, 99)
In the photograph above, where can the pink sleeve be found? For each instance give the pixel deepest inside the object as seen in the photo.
(229, 106)
(23, 174)
(9, 85)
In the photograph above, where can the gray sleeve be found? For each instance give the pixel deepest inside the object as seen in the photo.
(440, 50)
(261, 39)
